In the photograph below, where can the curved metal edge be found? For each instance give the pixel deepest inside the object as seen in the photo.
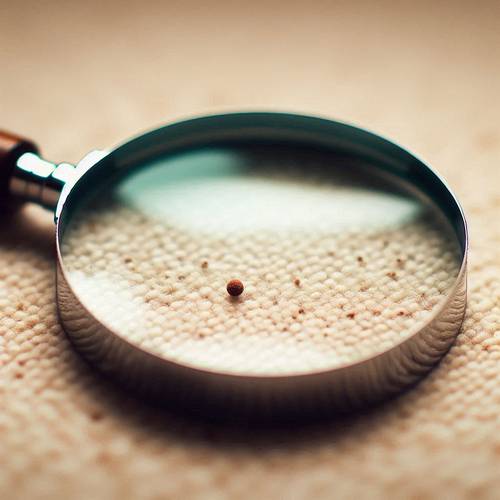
(226, 395)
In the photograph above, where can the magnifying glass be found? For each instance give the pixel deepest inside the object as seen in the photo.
(252, 264)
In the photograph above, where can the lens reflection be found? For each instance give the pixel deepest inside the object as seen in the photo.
(336, 263)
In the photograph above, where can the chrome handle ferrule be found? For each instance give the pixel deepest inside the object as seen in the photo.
(37, 180)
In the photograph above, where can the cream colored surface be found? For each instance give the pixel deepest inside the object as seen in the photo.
(334, 270)
(77, 76)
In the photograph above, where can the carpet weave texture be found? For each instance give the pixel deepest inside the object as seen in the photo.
(78, 76)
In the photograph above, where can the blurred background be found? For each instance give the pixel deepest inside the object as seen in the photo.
(81, 75)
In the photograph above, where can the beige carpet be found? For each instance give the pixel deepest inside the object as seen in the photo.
(76, 76)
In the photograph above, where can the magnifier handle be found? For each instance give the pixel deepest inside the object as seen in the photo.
(25, 176)
(12, 147)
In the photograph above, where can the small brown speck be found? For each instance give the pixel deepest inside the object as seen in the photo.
(376, 312)
(201, 335)
(294, 316)
(301, 311)
(19, 375)
(400, 262)
(235, 288)
(204, 264)
(351, 315)
(296, 282)
(96, 416)
(401, 313)
(181, 277)
(360, 259)
(275, 302)
(392, 275)
(127, 260)
(104, 457)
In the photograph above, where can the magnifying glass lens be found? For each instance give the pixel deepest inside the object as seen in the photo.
(337, 262)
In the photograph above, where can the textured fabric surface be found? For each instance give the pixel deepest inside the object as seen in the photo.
(334, 268)
(80, 76)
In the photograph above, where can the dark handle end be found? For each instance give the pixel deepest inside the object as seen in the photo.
(12, 147)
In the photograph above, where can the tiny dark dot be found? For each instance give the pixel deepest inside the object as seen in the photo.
(97, 415)
(296, 282)
(127, 260)
(360, 259)
(392, 275)
(351, 315)
(181, 277)
(301, 311)
(204, 264)
(235, 288)
(103, 457)
(376, 312)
